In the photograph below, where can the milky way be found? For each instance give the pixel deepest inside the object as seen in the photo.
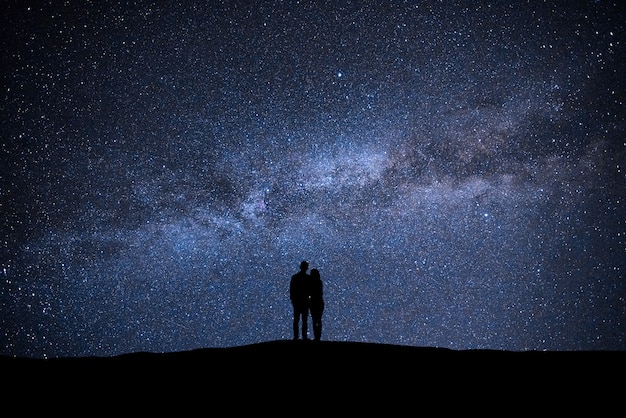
(455, 170)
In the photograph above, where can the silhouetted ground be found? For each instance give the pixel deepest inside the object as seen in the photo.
(274, 376)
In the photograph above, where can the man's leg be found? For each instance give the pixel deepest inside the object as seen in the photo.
(296, 319)
(305, 325)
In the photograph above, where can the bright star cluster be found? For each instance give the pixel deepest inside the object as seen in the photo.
(455, 170)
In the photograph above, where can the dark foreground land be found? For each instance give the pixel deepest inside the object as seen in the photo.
(279, 373)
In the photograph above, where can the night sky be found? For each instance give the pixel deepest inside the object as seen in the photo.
(456, 170)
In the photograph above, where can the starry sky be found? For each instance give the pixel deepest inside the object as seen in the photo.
(454, 169)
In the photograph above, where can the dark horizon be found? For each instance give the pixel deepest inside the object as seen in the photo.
(287, 348)
(352, 376)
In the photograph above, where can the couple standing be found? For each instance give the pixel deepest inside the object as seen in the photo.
(306, 292)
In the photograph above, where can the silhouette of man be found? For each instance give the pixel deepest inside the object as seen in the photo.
(299, 295)
(316, 303)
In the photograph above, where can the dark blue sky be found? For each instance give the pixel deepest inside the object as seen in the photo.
(455, 170)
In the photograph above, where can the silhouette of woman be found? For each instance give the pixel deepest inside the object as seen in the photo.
(316, 303)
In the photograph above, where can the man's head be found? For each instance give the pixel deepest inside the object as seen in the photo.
(304, 266)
